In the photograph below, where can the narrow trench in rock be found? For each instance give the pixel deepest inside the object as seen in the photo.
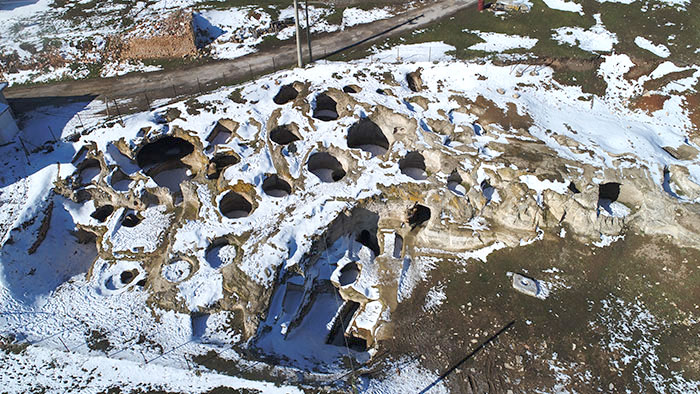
(337, 335)
(398, 246)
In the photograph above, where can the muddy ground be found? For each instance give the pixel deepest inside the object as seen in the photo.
(595, 334)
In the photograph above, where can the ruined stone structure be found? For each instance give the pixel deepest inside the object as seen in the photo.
(408, 189)
(170, 37)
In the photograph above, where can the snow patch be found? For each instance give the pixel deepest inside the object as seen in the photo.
(594, 39)
(499, 42)
(659, 50)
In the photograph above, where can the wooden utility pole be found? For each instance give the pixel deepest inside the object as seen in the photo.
(308, 32)
(300, 62)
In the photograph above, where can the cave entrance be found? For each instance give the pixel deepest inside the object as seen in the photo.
(368, 136)
(89, 172)
(417, 215)
(275, 186)
(454, 184)
(284, 134)
(398, 246)
(127, 276)
(608, 193)
(171, 178)
(413, 165)
(349, 274)
(102, 213)
(287, 93)
(337, 335)
(235, 206)
(326, 108)
(326, 167)
(369, 240)
(163, 150)
(487, 190)
(131, 219)
(573, 188)
(219, 163)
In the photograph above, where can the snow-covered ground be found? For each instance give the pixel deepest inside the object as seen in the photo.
(594, 39)
(424, 52)
(659, 50)
(499, 42)
(28, 28)
(53, 306)
(564, 6)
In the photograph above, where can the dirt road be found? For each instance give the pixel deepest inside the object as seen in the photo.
(166, 84)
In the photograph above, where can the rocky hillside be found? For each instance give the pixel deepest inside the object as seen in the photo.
(304, 222)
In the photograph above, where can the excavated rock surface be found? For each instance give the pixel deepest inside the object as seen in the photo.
(431, 192)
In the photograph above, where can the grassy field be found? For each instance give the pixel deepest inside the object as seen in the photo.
(626, 21)
(606, 289)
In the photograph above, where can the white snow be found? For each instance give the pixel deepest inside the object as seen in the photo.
(631, 332)
(539, 186)
(594, 39)
(353, 16)
(412, 379)
(607, 240)
(435, 297)
(39, 367)
(564, 6)
(145, 237)
(176, 271)
(414, 272)
(370, 315)
(680, 4)
(659, 50)
(80, 288)
(666, 68)
(499, 42)
(483, 253)
(317, 16)
(423, 52)
(203, 289)
(119, 69)
(232, 31)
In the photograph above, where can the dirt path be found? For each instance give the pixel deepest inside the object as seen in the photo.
(166, 84)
